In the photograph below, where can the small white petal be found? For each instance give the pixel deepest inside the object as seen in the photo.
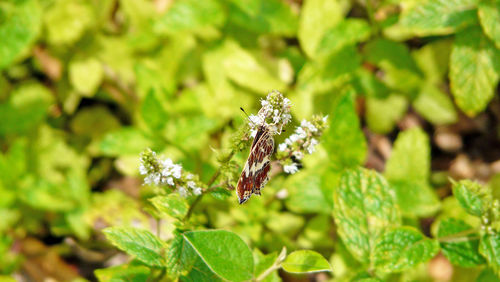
(143, 170)
(282, 147)
(183, 192)
(298, 155)
(301, 132)
(291, 168)
(197, 191)
(176, 171)
(170, 181)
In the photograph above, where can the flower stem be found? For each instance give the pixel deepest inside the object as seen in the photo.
(209, 189)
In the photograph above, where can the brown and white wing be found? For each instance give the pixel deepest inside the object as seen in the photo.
(257, 166)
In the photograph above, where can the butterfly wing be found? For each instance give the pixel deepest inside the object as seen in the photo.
(257, 166)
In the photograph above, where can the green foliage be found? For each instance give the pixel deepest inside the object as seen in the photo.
(474, 198)
(363, 194)
(463, 253)
(305, 261)
(230, 258)
(344, 140)
(19, 27)
(474, 70)
(138, 242)
(86, 86)
(408, 172)
(402, 248)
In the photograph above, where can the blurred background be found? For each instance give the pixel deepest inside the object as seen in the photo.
(87, 85)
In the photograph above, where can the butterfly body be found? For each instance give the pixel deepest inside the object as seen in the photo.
(255, 173)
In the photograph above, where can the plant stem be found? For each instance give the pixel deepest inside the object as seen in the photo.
(210, 189)
(268, 271)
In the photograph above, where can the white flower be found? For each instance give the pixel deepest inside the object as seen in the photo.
(143, 170)
(191, 184)
(286, 118)
(282, 194)
(286, 104)
(282, 147)
(170, 181)
(291, 168)
(309, 125)
(176, 171)
(253, 133)
(311, 148)
(298, 155)
(301, 132)
(197, 191)
(294, 137)
(189, 176)
(153, 178)
(325, 118)
(255, 120)
(182, 192)
(171, 169)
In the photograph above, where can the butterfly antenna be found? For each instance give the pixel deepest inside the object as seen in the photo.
(247, 116)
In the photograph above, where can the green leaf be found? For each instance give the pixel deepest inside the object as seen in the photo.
(439, 17)
(316, 17)
(137, 242)
(94, 121)
(410, 158)
(433, 60)
(124, 141)
(487, 275)
(200, 272)
(171, 205)
(367, 84)
(328, 72)
(403, 248)
(435, 106)
(305, 261)
(263, 262)
(489, 17)
(126, 272)
(66, 21)
(243, 69)
(180, 256)
(457, 250)
(400, 70)
(223, 252)
(27, 107)
(382, 114)
(191, 16)
(364, 207)
(221, 193)
(310, 200)
(86, 75)
(266, 16)
(344, 140)
(347, 32)
(489, 247)
(19, 27)
(408, 172)
(153, 113)
(474, 68)
(473, 197)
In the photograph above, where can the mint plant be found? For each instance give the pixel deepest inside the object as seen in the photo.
(122, 140)
(192, 254)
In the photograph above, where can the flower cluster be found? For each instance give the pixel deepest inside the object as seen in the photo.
(303, 140)
(274, 113)
(166, 173)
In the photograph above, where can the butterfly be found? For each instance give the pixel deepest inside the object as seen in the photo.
(255, 173)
